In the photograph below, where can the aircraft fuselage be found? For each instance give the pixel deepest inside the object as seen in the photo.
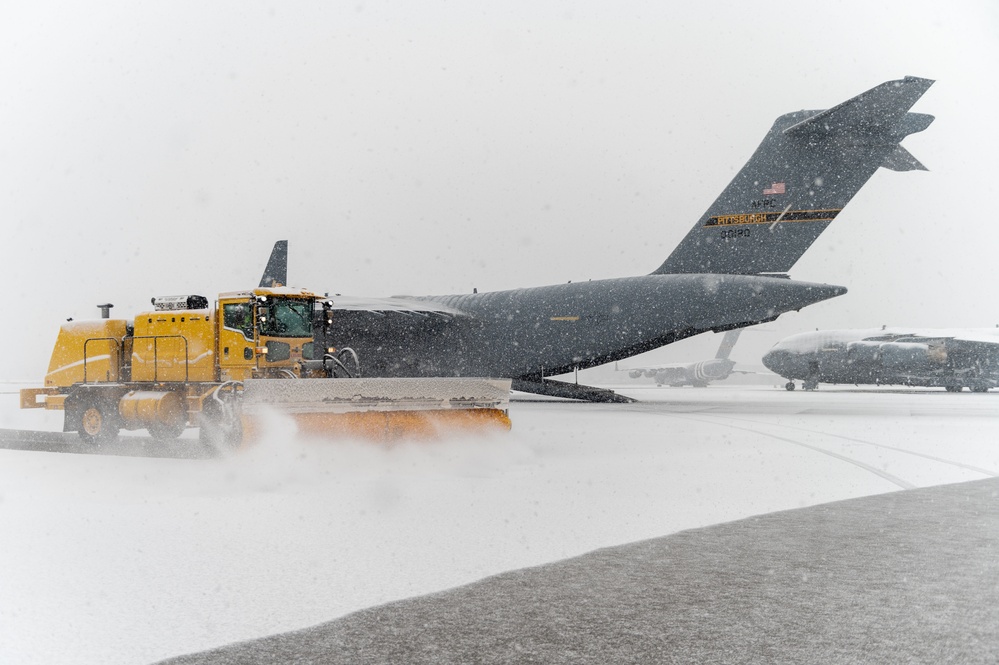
(930, 358)
(549, 330)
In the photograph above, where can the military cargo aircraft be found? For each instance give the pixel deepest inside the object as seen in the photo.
(698, 374)
(951, 359)
(730, 271)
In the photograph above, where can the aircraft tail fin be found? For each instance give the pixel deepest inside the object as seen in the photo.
(727, 343)
(800, 178)
(276, 272)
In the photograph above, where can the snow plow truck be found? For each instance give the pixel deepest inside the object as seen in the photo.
(223, 369)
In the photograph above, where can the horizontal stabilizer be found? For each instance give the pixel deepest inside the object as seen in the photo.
(879, 111)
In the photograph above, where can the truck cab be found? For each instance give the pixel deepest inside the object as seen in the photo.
(265, 333)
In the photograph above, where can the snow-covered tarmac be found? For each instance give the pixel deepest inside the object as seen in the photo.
(109, 559)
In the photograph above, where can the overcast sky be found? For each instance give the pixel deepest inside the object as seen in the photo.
(427, 148)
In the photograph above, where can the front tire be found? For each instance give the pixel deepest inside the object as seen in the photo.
(167, 431)
(789, 386)
(221, 428)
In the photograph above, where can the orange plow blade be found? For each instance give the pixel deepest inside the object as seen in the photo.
(379, 409)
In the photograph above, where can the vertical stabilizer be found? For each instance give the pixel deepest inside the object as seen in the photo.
(276, 272)
(807, 169)
(727, 343)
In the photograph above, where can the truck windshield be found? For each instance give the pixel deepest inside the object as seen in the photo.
(286, 317)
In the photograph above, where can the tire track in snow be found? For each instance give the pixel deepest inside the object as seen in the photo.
(941, 460)
(895, 480)
(904, 484)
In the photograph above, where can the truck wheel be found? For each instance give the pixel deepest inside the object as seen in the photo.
(165, 431)
(220, 430)
(98, 423)
(789, 385)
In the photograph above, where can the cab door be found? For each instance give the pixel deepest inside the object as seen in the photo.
(237, 339)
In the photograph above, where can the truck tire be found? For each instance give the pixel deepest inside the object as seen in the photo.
(167, 431)
(221, 429)
(99, 422)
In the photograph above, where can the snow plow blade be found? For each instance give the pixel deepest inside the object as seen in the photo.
(379, 409)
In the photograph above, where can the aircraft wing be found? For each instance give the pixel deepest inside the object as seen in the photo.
(654, 368)
(420, 335)
(401, 306)
(973, 335)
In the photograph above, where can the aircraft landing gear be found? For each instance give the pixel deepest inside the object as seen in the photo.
(789, 385)
(810, 384)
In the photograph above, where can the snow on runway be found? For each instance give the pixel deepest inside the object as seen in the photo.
(109, 559)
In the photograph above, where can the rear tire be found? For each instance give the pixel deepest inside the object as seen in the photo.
(98, 423)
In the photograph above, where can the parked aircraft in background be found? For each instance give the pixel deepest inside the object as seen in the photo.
(698, 374)
(951, 359)
(728, 272)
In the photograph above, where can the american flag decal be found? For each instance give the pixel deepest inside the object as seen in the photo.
(776, 188)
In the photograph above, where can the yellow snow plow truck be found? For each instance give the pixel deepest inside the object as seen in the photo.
(225, 368)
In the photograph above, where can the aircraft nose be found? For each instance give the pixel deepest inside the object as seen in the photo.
(778, 361)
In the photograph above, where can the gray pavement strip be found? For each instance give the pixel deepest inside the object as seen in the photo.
(906, 577)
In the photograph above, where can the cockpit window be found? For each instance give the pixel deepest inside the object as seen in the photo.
(286, 317)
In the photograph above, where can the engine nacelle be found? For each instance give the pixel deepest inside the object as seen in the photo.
(863, 353)
(712, 370)
(907, 356)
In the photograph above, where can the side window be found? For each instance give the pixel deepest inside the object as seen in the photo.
(238, 316)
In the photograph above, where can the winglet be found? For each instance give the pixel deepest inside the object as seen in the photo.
(276, 272)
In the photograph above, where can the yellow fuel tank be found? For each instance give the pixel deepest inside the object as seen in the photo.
(145, 408)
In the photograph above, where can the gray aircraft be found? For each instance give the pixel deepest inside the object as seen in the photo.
(951, 359)
(698, 374)
(730, 270)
